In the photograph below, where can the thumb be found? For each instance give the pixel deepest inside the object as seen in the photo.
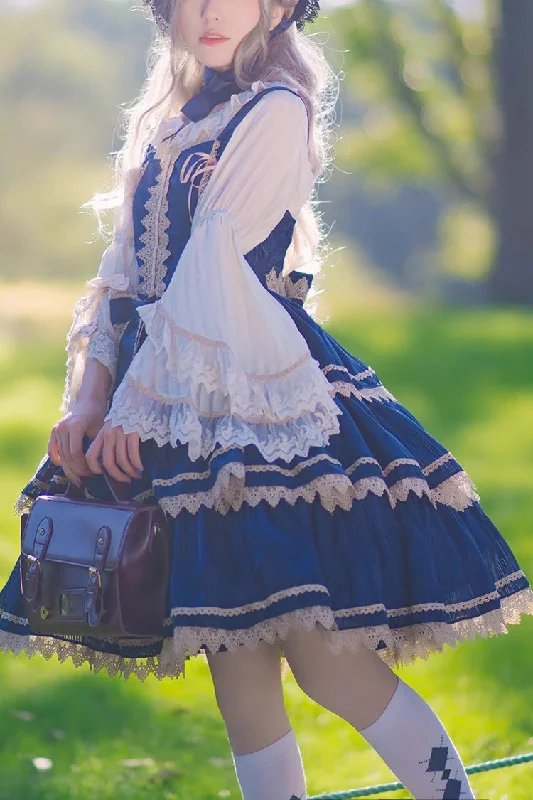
(53, 450)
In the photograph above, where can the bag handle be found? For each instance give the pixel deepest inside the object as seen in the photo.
(119, 490)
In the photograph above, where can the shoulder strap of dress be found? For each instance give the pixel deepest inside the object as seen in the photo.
(228, 131)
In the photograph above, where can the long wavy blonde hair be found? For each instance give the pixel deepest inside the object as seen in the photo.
(174, 75)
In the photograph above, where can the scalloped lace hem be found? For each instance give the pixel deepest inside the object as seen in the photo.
(229, 492)
(403, 646)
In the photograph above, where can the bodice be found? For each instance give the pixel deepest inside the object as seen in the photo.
(164, 204)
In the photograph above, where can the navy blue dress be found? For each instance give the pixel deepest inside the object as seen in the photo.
(405, 562)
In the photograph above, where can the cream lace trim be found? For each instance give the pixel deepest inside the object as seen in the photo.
(361, 376)
(24, 503)
(230, 493)
(171, 139)
(294, 591)
(403, 646)
(155, 252)
(349, 390)
(200, 394)
(166, 420)
(283, 285)
(104, 348)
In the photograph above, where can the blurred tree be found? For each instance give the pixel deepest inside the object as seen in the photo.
(512, 278)
(446, 95)
(64, 72)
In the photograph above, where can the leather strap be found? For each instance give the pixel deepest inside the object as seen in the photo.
(94, 602)
(33, 575)
(120, 491)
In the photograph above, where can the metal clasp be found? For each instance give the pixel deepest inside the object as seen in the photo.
(93, 571)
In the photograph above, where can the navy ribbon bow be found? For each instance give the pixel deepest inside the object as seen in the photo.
(218, 87)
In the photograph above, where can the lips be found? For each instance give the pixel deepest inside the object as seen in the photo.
(211, 37)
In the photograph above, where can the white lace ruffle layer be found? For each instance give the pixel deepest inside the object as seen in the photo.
(224, 361)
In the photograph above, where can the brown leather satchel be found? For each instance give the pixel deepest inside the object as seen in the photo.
(91, 568)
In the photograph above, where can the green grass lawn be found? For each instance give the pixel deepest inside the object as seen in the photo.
(467, 375)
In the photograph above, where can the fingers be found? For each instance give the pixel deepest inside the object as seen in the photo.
(115, 455)
(65, 449)
(133, 451)
(67, 461)
(77, 456)
(108, 458)
(122, 454)
(92, 455)
(117, 452)
(53, 447)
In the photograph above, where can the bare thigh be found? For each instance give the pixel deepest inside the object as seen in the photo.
(249, 694)
(355, 685)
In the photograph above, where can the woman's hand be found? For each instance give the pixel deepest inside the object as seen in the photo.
(118, 451)
(66, 438)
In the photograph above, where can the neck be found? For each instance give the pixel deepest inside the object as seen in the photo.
(209, 72)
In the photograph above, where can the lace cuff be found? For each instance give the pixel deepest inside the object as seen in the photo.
(103, 338)
(223, 361)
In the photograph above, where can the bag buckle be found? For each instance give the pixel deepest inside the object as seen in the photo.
(32, 579)
(94, 604)
(34, 572)
(95, 573)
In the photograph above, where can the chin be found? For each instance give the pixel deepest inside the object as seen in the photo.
(215, 60)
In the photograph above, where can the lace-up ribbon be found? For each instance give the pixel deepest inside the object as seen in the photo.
(201, 169)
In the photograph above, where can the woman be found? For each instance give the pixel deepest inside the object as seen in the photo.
(313, 518)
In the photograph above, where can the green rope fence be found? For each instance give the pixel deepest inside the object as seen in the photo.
(366, 791)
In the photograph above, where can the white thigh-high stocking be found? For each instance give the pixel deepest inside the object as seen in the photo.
(359, 687)
(273, 773)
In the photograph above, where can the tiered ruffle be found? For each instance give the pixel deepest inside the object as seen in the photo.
(224, 365)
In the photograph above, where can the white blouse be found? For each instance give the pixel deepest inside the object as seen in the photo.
(223, 361)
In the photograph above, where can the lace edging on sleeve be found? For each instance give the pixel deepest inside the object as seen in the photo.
(91, 333)
(225, 363)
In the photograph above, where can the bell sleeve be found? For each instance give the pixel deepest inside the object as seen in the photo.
(223, 360)
(91, 333)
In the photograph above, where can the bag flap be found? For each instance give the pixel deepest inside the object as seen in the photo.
(75, 526)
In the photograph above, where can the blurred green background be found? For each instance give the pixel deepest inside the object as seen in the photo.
(429, 281)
